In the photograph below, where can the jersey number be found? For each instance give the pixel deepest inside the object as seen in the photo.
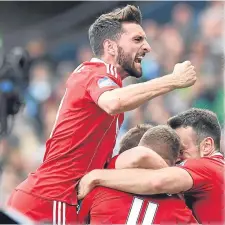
(137, 209)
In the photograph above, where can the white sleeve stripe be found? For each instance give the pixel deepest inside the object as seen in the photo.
(111, 70)
(107, 68)
(116, 75)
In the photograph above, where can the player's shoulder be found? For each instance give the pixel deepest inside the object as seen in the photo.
(194, 165)
(96, 71)
(206, 164)
(99, 67)
(86, 71)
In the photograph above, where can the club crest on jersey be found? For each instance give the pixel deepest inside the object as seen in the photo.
(106, 82)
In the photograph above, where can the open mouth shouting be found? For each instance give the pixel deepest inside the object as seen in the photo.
(139, 58)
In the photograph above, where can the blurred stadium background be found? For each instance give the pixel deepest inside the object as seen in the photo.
(55, 34)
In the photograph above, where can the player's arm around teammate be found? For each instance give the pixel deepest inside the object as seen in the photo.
(139, 181)
(140, 157)
(200, 133)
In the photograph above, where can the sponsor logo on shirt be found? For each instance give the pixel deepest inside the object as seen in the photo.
(106, 82)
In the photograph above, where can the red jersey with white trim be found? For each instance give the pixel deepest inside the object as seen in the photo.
(83, 137)
(207, 194)
(108, 206)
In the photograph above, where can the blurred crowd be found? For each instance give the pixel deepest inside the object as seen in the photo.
(190, 35)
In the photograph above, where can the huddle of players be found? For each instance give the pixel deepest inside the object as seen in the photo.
(105, 205)
(110, 206)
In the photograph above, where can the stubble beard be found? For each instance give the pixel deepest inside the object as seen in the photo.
(127, 63)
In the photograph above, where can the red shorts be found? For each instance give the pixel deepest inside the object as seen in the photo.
(42, 210)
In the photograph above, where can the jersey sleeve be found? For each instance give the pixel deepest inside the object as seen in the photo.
(99, 84)
(197, 168)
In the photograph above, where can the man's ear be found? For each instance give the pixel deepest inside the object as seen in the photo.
(207, 146)
(110, 47)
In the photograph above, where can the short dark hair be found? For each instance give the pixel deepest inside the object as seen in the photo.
(109, 26)
(163, 140)
(132, 138)
(204, 122)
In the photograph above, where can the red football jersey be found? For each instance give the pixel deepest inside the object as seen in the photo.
(83, 136)
(207, 194)
(108, 206)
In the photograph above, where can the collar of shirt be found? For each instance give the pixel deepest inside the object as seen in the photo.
(97, 60)
(218, 156)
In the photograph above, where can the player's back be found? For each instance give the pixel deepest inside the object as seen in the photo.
(206, 195)
(108, 206)
(83, 136)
